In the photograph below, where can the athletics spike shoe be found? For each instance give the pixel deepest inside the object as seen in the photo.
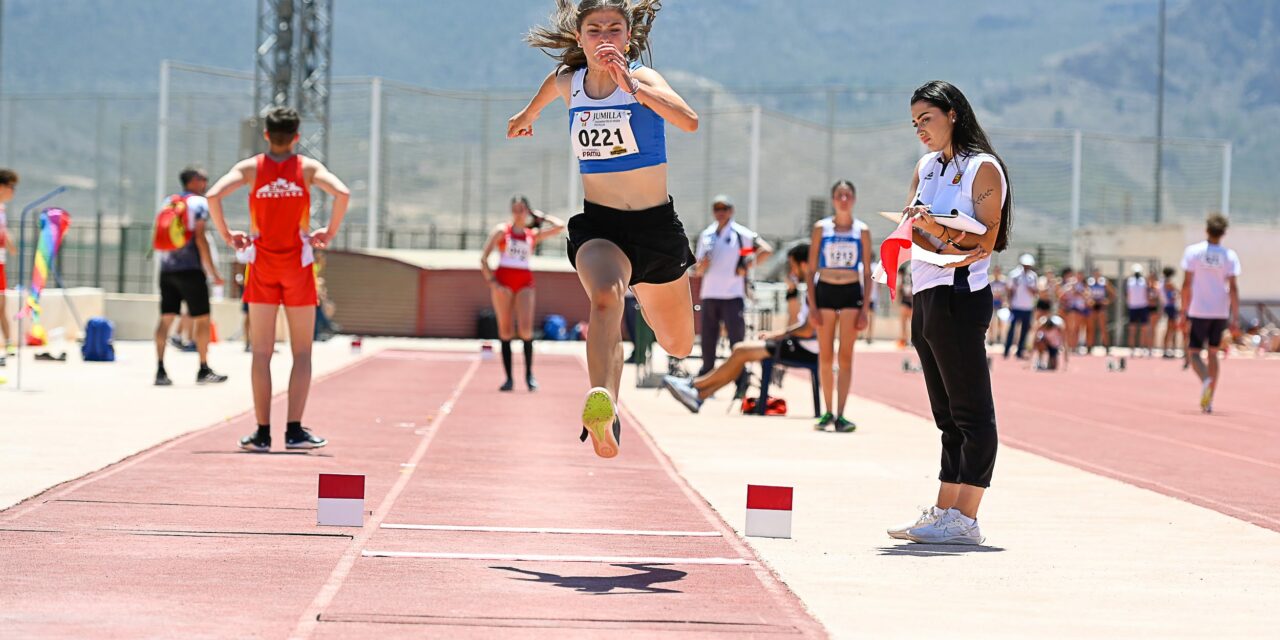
(824, 421)
(683, 391)
(598, 415)
(303, 439)
(532, 383)
(162, 379)
(845, 426)
(507, 386)
(208, 376)
(256, 443)
(617, 430)
(1206, 395)
(927, 517)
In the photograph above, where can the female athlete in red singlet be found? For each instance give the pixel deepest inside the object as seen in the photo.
(278, 249)
(511, 286)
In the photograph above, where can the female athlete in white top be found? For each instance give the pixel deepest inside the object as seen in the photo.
(840, 255)
(511, 286)
(629, 233)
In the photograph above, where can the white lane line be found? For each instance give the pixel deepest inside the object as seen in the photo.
(588, 532)
(534, 557)
(311, 617)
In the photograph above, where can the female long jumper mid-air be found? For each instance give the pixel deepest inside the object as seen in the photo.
(628, 233)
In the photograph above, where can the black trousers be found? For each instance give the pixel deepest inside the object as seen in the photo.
(948, 330)
(714, 312)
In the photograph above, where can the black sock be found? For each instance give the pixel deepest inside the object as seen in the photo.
(160, 366)
(293, 427)
(528, 359)
(264, 431)
(506, 357)
(204, 366)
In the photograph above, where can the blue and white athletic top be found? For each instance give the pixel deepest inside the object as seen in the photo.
(615, 133)
(841, 249)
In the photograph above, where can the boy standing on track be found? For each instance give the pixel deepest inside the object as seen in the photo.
(1210, 302)
(280, 261)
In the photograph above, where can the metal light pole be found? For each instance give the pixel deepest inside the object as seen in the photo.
(1160, 115)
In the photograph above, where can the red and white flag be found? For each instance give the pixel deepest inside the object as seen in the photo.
(768, 511)
(895, 251)
(341, 501)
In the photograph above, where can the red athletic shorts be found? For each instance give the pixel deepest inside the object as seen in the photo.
(4, 280)
(514, 279)
(272, 282)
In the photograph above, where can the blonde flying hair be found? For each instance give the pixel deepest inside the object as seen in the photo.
(559, 38)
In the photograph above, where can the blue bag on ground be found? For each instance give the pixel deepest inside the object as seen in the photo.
(554, 327)
(97, 345)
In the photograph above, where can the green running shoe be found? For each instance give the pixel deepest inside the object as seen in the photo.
(824, 422)
(845, 426)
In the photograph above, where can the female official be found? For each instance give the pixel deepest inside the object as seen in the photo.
(953, 304)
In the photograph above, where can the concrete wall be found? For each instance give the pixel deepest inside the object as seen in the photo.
(135, 316)
(56, 315)
(1257, 245)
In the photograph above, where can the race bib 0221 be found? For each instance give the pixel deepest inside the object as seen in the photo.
(603, 134)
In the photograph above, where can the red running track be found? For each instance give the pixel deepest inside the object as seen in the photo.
(193, 538)
(1142, 426)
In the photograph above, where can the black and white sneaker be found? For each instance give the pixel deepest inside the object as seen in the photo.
(303, 440)
(162, 379)
(208, 376)
(256, 443)
(531, 382)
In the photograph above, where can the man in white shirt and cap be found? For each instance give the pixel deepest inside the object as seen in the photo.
(1022, 283)
(1138, 296)
(726, 252)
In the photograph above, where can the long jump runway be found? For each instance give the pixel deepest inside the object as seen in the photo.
(485, 516)
(1142, 426)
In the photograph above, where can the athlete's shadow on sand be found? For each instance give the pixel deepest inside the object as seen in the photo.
(917, 550)
(605, 585)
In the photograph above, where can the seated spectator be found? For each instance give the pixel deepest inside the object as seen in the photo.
(1048, 343)
(797, 343)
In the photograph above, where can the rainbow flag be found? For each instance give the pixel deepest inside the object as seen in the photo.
(53, 227)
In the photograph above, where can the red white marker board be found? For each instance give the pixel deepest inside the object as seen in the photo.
(341, 501)
(768, 511)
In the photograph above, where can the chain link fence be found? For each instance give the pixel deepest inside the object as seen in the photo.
(444, 171)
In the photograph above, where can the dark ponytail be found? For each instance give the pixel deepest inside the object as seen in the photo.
(968, 138)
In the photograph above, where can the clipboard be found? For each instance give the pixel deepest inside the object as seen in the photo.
(959, 222)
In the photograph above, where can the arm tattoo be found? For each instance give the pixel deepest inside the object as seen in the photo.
(978, 200)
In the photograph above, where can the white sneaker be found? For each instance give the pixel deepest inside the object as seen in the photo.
(928, 516)
(951, 528)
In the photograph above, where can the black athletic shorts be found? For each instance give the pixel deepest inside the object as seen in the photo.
(1139, 315)
(653, 240)
(1206, 330)
(791, 351)
(177, 287)
(838, 296)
